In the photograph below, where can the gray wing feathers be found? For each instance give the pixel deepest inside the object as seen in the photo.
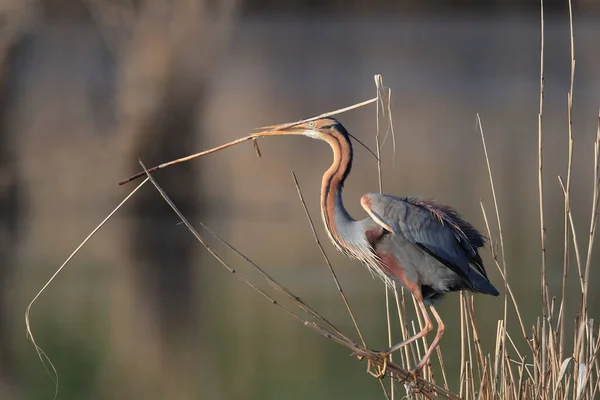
(437, 230)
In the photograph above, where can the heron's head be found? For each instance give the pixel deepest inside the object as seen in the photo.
(322, 128)
(327, 129)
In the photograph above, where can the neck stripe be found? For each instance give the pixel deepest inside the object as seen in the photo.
(333, 179)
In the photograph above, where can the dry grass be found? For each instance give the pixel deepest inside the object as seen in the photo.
(528, 361)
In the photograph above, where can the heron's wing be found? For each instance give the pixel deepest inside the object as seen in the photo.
(436, 229)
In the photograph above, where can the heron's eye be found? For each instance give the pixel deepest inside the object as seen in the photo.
(311, 124)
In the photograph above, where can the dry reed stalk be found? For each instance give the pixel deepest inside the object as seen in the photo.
(567, 200)
(41, 354)
(554, 376)
(253, 136)
(333, 274)
(379, 87)
(545, 303)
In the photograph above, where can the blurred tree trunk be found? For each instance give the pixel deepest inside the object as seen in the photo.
(11, 201)
(9, 216)
(162, 83)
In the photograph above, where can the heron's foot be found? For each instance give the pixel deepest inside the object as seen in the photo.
(380, 369)
(412, 379)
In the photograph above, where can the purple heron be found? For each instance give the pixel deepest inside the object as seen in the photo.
(424, 246)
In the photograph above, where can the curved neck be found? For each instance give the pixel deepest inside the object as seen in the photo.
(335, 216)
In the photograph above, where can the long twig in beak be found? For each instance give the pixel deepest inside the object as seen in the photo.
(316, 117)
(190, 157)
(254, 136)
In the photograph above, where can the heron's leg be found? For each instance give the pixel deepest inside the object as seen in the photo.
(426, 329)
(434, 344)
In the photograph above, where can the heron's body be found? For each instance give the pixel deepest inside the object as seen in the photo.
(424, 246)
(416, 247)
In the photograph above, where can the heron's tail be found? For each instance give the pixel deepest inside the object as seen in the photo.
(482, 285)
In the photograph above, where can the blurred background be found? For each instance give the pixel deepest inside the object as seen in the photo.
(143, 312)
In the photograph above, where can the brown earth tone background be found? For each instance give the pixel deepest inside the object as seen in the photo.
(143, 312)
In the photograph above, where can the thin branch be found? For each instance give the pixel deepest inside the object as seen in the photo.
(378, 84)
(324, 115)
(400, 307)
(501, 270)
(573, 234)
(280, 288)
(545, 303)
(500, 233)
(253, 136)
(561, 313)
(379, 87)
(333, 274)
(41, 354)
(188, 158)
(385, 391)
